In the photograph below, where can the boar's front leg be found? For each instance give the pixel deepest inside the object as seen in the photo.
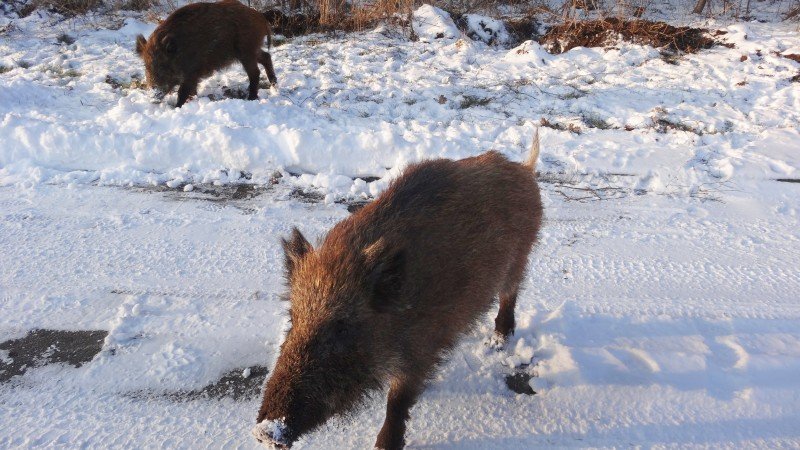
(253, 74)
(187, 89)
(403, 395)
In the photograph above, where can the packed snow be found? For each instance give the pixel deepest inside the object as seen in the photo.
(661, 307)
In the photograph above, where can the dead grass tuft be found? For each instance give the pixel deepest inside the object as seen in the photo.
(60, 72)
(136, 5)
(571, 127)
(65, 39)
(294, 18)
(793, 14)
(470, 101)
(291, 25)
(605, 32)
(68, 8)
(134, 83)
(596, 122)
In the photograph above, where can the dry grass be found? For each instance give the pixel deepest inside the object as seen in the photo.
(571, 127)
(292, 25)
(133, 83)
(67, 7)
(136, 5)
(72, 8)
(605, 32)
(793, 14)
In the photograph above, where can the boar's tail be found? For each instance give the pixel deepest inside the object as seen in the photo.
(533, 156)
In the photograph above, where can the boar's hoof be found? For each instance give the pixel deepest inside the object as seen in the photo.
(497, 342)
(272, 433)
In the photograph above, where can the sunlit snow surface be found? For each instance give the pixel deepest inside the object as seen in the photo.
(662, 304)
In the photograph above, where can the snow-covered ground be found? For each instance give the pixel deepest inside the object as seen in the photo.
(662, 304)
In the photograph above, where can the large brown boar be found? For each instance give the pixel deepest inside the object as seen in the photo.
(200, 38)
(392, 288)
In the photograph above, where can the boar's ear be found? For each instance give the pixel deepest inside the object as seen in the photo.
(385, 276)
(141, 42)
(295, 249)
(168, 42)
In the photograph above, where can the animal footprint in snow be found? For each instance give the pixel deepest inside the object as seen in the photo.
(730, 353)
(636, 359)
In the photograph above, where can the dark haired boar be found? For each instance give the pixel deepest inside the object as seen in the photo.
(393, 287)
(201, 38)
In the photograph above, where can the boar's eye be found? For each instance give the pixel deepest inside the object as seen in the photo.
(169, 44)
(341, 329)
(342, 336)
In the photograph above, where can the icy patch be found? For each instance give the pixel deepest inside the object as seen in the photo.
(272, 432)
(431, 23)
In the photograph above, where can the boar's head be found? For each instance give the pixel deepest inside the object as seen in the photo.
(339, 347)
(160, 62)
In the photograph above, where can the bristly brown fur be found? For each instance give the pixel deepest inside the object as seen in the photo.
(201, 38)
(393, 287)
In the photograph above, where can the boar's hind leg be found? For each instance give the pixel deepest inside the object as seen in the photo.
(266, 60)
(187, 89)
(403, 395)
(251, 67)
(504, 323)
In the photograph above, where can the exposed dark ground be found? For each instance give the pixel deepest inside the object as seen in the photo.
(42, 347)
(232, 384)
(518, 382)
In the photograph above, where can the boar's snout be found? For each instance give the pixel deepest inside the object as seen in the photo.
(274, 433)
(286, 414)
(161, 80)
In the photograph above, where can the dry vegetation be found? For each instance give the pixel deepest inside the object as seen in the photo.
(578, 22)
(603, 32)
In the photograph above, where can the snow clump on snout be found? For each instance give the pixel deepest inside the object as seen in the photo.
(273, 433)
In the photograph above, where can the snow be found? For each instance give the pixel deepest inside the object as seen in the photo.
(431, 23)
(486, 29)
(661, 304)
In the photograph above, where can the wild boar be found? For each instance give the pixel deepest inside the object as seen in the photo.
(200, 38)
(392, 288)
